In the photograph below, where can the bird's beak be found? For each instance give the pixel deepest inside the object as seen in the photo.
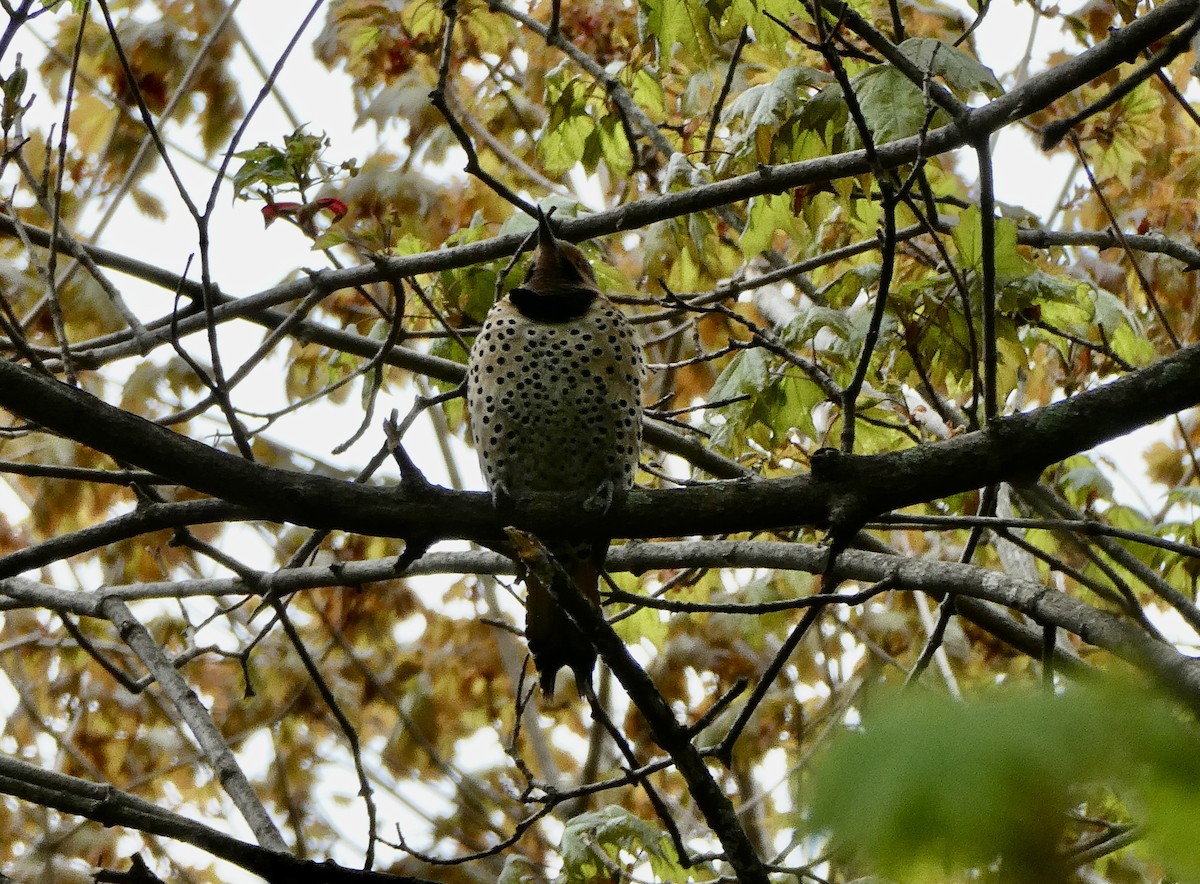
(549, 255)
(546, 239)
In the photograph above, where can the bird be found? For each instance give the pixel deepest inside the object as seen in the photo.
(554, 400)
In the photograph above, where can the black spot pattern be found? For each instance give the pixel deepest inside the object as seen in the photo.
(556, 406)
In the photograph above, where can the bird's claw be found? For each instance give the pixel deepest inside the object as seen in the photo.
(601, 499)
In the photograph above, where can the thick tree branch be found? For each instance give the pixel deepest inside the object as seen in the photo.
(143, 520)
(976, 589)
(841, 489)
(112, 807)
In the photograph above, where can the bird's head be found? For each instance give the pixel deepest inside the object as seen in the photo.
(558, 265)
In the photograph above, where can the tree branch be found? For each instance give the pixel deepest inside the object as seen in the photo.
(216, 750)
(1013, 449)
(112, 807)
(978, 586)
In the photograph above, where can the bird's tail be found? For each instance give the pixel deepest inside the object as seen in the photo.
(554, 639)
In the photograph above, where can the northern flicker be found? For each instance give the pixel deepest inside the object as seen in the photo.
(554, 397)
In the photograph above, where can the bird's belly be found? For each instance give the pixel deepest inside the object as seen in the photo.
(553, 418)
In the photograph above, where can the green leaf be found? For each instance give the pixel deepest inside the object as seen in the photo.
(1036, 287)
(614, 148)
(1081, 480)
(1135, 127)
(765, 107)
(748, 373)
(767, 34)
(792, 405)
(893, 107)
(644, 624)
(769, 103)
(800, 331)
(673, 23)
(847, 288)
(293, 166)
(952, 786)
(627, 840)
(647, 91)
(564, 138)
(768, 214)
(825, 114)
(365, 41)
(968, 238)
(1132, 346)
(1009, 263)
(264, 164)
(963, 73)
(1095, 314)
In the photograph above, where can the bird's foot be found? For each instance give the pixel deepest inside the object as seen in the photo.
(502, 499)
(601, 499)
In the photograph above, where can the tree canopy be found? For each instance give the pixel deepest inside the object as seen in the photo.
(887, 602)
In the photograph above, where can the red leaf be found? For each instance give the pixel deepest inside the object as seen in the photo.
(335, 206)
(271, 211)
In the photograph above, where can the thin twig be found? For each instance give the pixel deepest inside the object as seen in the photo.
(344, 724)
(440, 98)
(1143, 282)
(719, 105)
